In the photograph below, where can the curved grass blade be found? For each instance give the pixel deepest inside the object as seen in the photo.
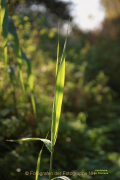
(33, 103)
(38, 161)
(62, 177)
(57, 103)
(30, 80)
(46, 141)
(13, 33)
(29, 70)
(2, 13)
(5, 33)
(27, 62)
(30, 77)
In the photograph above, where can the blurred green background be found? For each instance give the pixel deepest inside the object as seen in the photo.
(89, 131)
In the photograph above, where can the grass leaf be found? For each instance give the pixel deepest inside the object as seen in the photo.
(5, 32)
(46, 141)
(30, 80)
(30, 77)
(2, 13)
(38, 161)
(59, 87)
(58, 101)
(33, 103)
(29, 70)
(13, 33)
(62, 177)
(38, 164)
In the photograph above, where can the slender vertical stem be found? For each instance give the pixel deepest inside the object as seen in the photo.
(51, 159)
(14, 99)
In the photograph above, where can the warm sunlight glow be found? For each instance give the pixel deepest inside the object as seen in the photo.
(88, 14)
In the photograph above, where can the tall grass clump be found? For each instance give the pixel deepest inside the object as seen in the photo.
(7, 26)
(56, 112)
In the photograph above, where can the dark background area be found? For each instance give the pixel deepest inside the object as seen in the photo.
(88, 137)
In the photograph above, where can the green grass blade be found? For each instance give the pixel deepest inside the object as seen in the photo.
(46, 141)
(33, 103)
(62, 177)
(5, 33)
(59, 87)
(2, 13)
(38, 162)
(21, 79)
(30, 77)
(58, 101)
(13, 33)
(30, 81)
(29, 70)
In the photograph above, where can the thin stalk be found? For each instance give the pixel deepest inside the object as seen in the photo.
(51, 159)
(14, 99)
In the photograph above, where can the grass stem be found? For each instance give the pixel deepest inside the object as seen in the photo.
(51, 159)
